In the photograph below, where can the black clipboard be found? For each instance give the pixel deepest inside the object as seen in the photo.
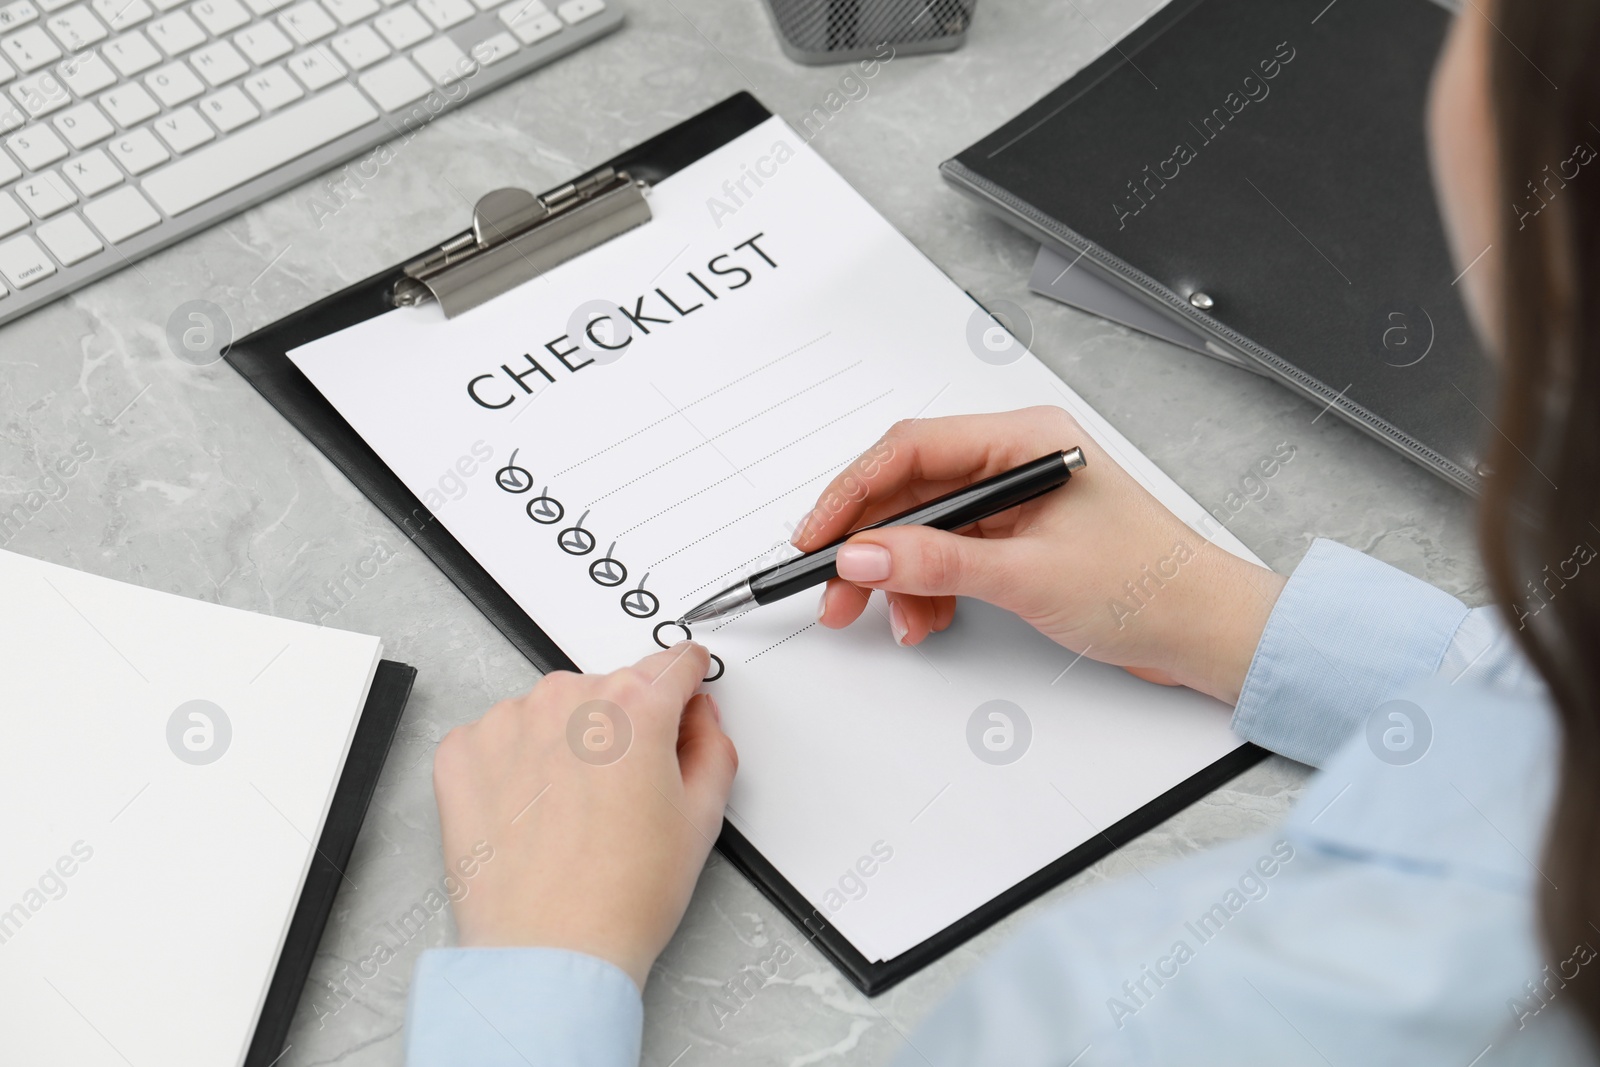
(262, 359)
(380, 716)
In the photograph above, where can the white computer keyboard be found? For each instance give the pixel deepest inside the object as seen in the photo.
(128, 124)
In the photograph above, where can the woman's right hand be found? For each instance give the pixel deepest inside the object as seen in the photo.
(1099, 566)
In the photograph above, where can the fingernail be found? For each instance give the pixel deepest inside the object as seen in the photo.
(822, 604)
(800, 531)
(716, 711)
(897, 624)
(863, 563)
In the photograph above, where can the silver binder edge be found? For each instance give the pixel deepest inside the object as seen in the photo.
(516, 236)
(1024, 216)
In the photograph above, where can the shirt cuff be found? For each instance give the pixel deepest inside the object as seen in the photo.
(521, 1007)
(1347, 631)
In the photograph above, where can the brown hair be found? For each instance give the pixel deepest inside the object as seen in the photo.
(1541, 505)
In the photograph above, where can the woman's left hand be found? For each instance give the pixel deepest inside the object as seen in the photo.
(600, 796)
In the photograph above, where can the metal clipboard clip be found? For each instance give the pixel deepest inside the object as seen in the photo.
(516, 236)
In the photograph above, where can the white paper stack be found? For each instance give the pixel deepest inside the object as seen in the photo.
(167, 768)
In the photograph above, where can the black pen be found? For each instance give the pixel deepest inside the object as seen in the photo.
(949, 512)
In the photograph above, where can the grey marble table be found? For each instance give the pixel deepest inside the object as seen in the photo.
(197, 486)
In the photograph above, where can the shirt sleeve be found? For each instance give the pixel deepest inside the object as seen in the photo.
(1346, 632)
(521, 1007)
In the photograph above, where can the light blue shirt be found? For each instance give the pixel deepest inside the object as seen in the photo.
(1390, 919)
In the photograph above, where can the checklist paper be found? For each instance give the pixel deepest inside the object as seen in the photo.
(660, 413)
(167, 766)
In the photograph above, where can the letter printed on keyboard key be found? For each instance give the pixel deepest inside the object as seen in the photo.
(92, 173)
(315, 68)
(83, 125)
(37, 147)
(128, 105)
(86, 73)
(121, 14)
(220, 16)
(46, 194)
(184, 129)
(174, 83)
(229, 109)
(138, 151)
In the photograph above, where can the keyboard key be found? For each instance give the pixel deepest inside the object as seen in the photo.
(259, 148)
(122, 14)
(263, 43)
(128, 105)
(494, 49)
(36, 147)
(9, 171)
(350, 12)
(219, 63)
(30, 49)
(176, 33)
(76, 29)
(132, 54)
(444, 61)
(16, 14)
(46, 194)
(530, 20)
(7, 72)
(521, 11)
(12, 217)
(86, 73)
(92, 173)
(184, 129)
(403, 27)
(306, 23)
(395, 84)
(578, 10)
(229, 109)
(220, 16)
(174, 83)
(83, 125)
(360, 47)
(11, 116)
(69, 240)
(315, 68)
(122, 214)
(446, 13)
(137, 152)
(41, 94)
(166, 5)
(273, 88)
(267, 7)
(23, 262)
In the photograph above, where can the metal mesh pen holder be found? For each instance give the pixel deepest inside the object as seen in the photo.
(839, 31)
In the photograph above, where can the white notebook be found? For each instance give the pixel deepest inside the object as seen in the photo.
(167, 768)
(766, 326)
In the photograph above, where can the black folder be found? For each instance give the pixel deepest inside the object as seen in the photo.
(262, 359)
(386, 702)
(1257, 170)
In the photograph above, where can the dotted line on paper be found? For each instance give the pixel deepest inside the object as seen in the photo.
(731, 620)
(756, 463)
(725, 433)
(691, 404)
(791, 637)
(823, 474)
(766, 551)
